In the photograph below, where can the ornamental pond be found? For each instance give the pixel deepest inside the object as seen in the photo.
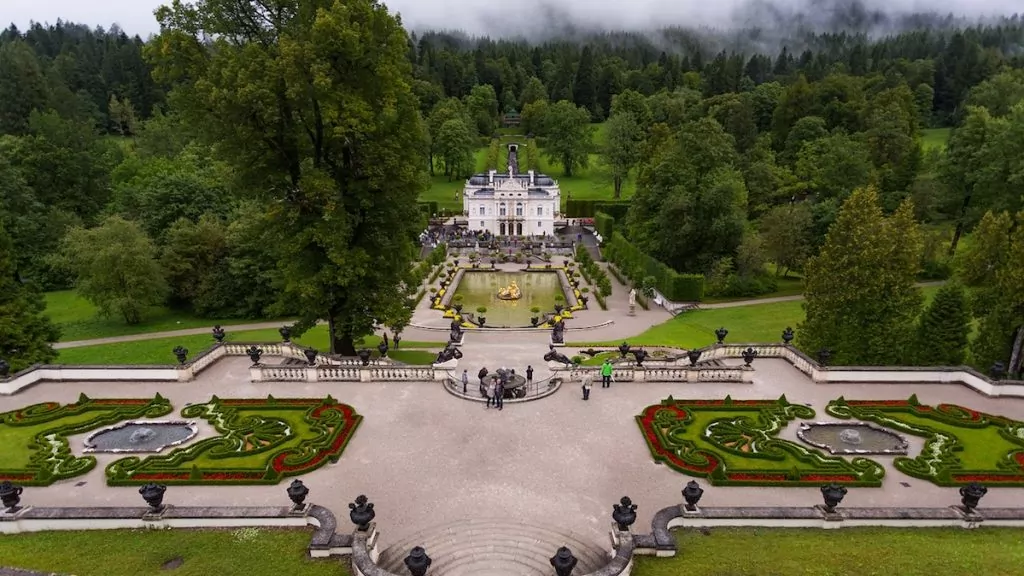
(480, 288)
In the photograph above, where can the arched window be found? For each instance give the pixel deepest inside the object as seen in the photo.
(519, 208)
(502, 211)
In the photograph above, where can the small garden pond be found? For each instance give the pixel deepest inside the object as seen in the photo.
(480, 288)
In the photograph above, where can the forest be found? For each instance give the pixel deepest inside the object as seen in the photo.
(201, 175)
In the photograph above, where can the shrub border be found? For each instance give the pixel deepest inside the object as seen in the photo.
(67, 465)
(946, 470)
(279, 464)
(854, 472)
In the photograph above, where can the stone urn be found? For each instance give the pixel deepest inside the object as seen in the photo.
(824, 355)
(691, 494)
(458, 307)
(584, 300)
(361, 513)
(153, 494)
(218, 333)
(481, 320)
(286, 333)
(534, 321)
(563, 562)
(787, 335)
(10, 495)
(833, 495)
(417, 561)
(310, 356)
(181, 353)
(383, 349)
(364, 355)
(970, 495)
(694, 356)
(5, 368)
(721, 333)
(558, 308)
(624, 349)
(297, 492)
(748, 356)
(624, 514)
(254, 352)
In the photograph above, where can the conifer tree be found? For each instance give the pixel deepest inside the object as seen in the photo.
(25, 333)
(943, 329)
(860, 298)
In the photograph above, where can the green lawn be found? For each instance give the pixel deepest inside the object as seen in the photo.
(934, 138)
(746, 324)
(240, 552)
(846, 552)
(159, 350)
(78, 319)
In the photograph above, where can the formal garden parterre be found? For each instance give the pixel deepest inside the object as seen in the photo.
(259, 441)
(735, 443)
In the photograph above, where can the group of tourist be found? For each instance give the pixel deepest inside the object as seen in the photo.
(494, 386)
(606, 379)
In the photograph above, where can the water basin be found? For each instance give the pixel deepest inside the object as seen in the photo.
(480, 288)
(141, 436)
(852, 438)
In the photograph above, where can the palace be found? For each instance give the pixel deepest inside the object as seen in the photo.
(512, 204)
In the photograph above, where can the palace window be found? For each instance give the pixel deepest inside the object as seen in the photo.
(502, 211)
(519, 208)
(482, 210)
(540, 210)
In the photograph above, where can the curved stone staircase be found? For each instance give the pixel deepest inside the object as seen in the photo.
(492, 548)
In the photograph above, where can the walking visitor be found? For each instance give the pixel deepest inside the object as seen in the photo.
(606, 374)
(499, 395)
(587, 383)
(529, 375)
(465, 380)
(489, 392)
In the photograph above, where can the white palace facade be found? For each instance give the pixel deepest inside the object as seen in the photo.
(512, 204)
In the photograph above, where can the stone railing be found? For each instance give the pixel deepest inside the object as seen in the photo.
(658, 374)
(190, 369)
(352, 373)
(963, 375)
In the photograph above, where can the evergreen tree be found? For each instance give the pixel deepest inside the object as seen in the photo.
(860, 298)
(584, 87)
(943, 328)
(25, 333)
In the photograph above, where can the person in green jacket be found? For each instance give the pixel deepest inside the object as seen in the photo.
(606, 374)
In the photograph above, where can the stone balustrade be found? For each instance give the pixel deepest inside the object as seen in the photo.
(659, 374)
(349, 373)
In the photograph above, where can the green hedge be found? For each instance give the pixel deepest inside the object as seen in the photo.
(589, 208)
(605, 224)
(636, 265)
(428, 208)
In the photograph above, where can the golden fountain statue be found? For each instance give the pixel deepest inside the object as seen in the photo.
(510, 292)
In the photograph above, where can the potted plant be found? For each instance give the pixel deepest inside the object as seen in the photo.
(480, 318)
(535, 319)
(458, 303)
(494, 261)
(559, 299)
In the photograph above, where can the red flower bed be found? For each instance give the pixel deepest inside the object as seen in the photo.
(989, 478)
(161, 476)
(828, 478)
(755, 477)
(878, 403)
(232, 475)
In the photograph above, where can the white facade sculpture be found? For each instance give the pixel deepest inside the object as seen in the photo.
(512, 204)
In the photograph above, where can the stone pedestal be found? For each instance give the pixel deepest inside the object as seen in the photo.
(460, 341)
(556, 344)
(632, 309)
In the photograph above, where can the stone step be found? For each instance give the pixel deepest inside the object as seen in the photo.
(492, 548)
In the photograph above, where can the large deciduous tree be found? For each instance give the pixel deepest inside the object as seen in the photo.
(311, 101)
(860, 298)
(622, 147)
(25, 333)
(116, 268)
(568, 136)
